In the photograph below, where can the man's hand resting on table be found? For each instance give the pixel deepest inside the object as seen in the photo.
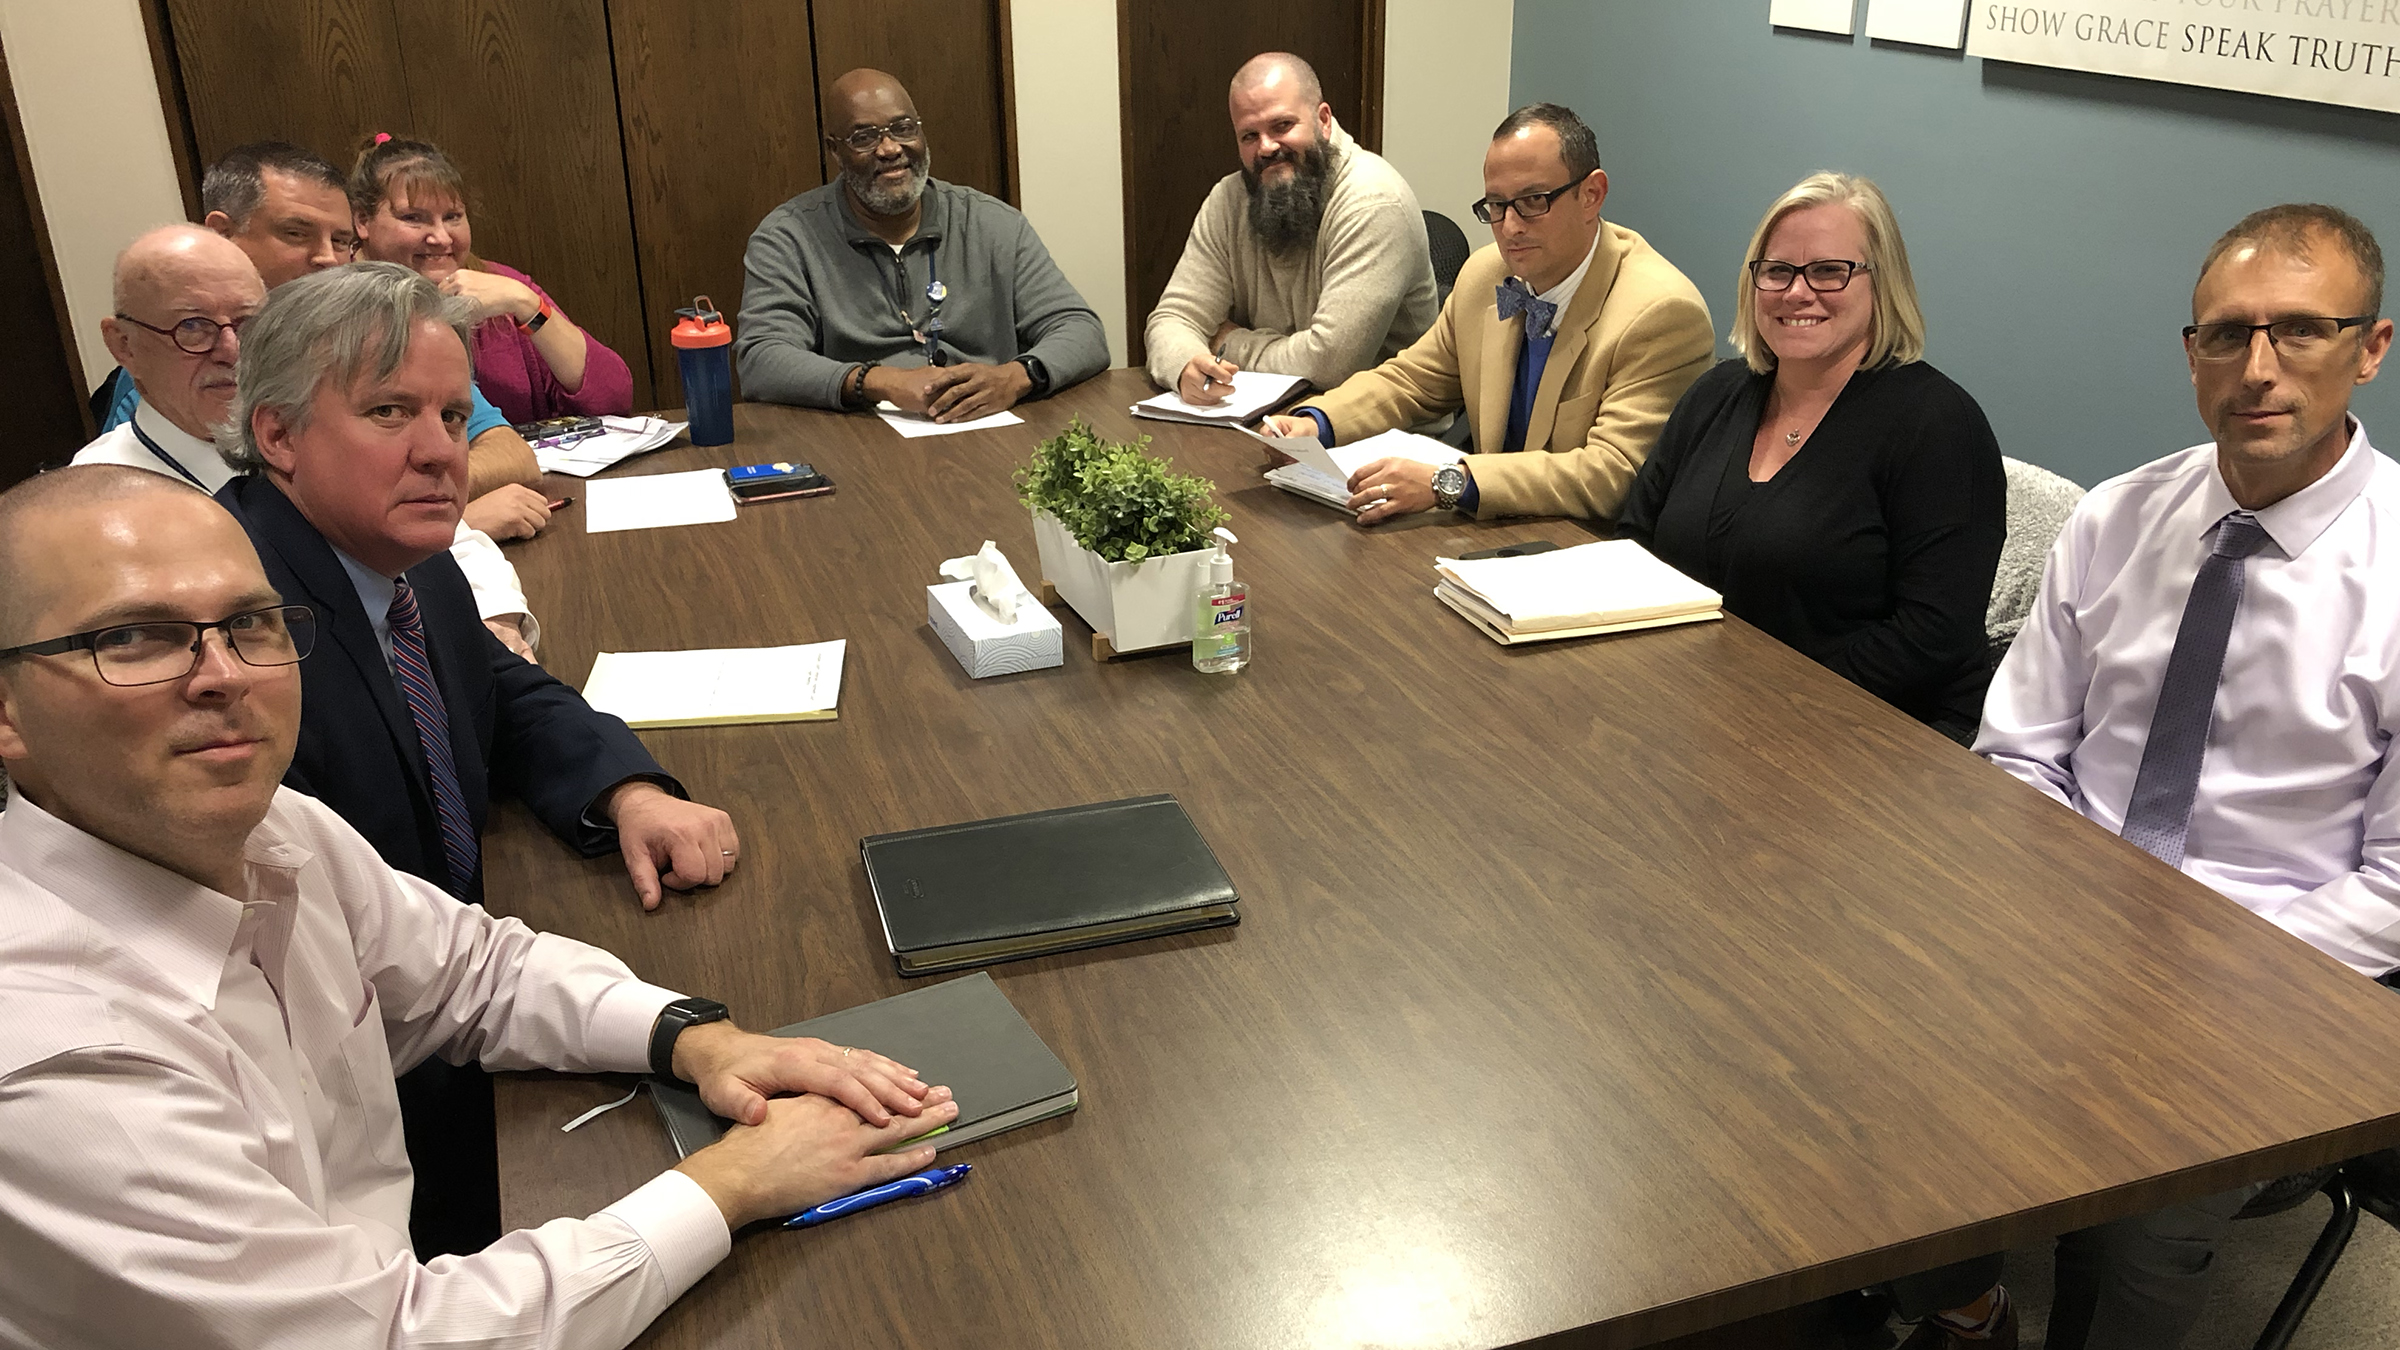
(981, 391)
(1391, 487)
(668, 840)
(785, 1153)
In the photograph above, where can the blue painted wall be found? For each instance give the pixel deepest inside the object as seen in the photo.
(2055, 220)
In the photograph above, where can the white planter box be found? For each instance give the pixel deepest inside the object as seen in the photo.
(1136, 606)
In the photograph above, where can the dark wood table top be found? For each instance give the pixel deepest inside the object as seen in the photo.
(1632, 984)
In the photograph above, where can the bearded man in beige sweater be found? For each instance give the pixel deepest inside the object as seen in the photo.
(1310, 261)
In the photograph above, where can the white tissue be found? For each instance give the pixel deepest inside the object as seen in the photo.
(996, 590)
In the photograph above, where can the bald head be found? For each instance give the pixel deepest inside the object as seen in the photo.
(865, 97)
(172, 276)
(44, 526)
(1280, 73)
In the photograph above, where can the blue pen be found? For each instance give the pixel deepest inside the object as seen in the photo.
(923, 1183)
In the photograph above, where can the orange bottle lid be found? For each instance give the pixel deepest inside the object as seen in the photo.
(701, 325)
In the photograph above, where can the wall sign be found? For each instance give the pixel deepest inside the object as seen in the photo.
(1823, 16)
(2327, 51)
(1925, 23)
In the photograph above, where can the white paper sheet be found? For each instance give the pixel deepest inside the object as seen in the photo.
(621, 439)
(1824, 16)
(718, 686)
(913, 425)
(1254, 391)
(1924, 23)
(655, 501)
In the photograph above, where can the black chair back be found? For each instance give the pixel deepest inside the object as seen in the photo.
(1449, 245)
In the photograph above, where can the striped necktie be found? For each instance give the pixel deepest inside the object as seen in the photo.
(425, 708)
(2158, 816)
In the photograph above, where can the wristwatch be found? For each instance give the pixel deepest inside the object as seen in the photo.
(1036, 372)
(1449, 483)
(672, 1020)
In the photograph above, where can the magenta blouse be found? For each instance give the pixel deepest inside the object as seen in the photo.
(513, 375)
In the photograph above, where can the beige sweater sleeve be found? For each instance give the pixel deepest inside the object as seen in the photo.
(1199, 296)
(1413, 388)
(1600, 441)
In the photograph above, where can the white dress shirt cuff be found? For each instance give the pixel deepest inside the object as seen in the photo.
(618, 1038)
(683, 1228)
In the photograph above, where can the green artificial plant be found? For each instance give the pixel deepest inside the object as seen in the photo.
(1116, 499)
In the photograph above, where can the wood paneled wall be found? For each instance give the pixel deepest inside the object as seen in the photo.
(620, 151)
(48, 421)
(1176, 65)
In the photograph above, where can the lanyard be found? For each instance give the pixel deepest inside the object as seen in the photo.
(169, 460)
(930, 333)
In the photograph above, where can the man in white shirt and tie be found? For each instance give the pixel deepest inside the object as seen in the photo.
(2212, 670)
(207, 980)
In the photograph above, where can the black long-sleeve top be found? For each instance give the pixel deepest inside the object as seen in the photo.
(1871, 551)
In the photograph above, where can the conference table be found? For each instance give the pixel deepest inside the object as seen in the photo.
(1607, 990)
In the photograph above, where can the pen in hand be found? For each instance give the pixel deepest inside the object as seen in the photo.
(1208, 379)
(921, 1183)
(562, 503)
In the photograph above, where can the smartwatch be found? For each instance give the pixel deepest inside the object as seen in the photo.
(1036, 372)
(531, 326)
(672, 1019)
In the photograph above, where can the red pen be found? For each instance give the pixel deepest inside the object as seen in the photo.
(562, 503)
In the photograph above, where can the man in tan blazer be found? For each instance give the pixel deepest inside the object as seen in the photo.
(1569, 338)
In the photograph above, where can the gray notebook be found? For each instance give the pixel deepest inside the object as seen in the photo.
(963, 1034)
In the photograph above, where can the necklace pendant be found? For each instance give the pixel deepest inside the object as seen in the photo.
(1792, 437)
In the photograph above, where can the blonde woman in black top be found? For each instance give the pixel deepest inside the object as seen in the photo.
(1843, 495)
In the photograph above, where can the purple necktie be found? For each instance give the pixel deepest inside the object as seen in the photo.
(2159, 814)
(433, 733)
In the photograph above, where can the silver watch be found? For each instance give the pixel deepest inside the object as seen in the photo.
(1449, 483)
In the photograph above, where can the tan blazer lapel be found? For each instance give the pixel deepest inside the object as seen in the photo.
(1574, 335)
(1496, 349)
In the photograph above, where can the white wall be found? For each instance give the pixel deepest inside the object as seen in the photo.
(98, 141)
(1445, 86)
(1070, 158)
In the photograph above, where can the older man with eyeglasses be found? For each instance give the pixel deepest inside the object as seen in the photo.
(1568, 340)
(889, 285)
(2212, 670)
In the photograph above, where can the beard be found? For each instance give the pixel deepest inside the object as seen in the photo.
(1285, 217)
(891, 201)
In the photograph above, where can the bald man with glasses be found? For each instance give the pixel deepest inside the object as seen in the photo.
(1565, 344)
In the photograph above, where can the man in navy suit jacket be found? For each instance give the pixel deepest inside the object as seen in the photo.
(350, 416)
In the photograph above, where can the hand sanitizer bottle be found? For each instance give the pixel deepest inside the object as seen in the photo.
(1220, 615)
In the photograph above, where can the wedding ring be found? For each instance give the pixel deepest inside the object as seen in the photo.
(847, 1049)
(726, 851)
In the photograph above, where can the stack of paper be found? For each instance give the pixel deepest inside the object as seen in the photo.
(914, 425)
(653, 501)
(1254, 392)
(620, 439)
(718, 687)
(1323, 474)
(1607, 586)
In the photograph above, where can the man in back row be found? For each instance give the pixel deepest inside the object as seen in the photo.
(206, 981)
(1569, 340)
(1311, 260)
(888, 285)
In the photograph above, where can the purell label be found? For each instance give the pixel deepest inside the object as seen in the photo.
(1228, 608)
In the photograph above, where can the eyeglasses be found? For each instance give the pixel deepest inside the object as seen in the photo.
(2302, 339)
(902, 129)
(132, 654)
(1825, 274)
(1531, 206)
(196, 334)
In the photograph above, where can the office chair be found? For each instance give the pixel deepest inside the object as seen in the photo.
(2370, 1184)
(2039, 503)
(1449, 245)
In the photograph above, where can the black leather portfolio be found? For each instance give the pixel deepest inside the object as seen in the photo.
(962, 1034)
(1050, 881)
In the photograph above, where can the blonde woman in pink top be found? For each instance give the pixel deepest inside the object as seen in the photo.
(531, 360)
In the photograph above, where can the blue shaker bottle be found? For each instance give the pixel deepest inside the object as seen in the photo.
(704, 352)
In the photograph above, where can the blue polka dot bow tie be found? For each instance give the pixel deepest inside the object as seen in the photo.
(1515, 300)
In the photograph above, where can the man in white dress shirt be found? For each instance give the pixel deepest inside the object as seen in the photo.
(206, 982)
(178, 287)
(2212, 670)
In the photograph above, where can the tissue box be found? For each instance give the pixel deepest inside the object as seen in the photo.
(986, 646)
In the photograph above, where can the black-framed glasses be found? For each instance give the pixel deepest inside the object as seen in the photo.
(197, 334)
(1531, 206)
(905, 130)
(160, 650)
(2300, 338)
(1825, 274)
